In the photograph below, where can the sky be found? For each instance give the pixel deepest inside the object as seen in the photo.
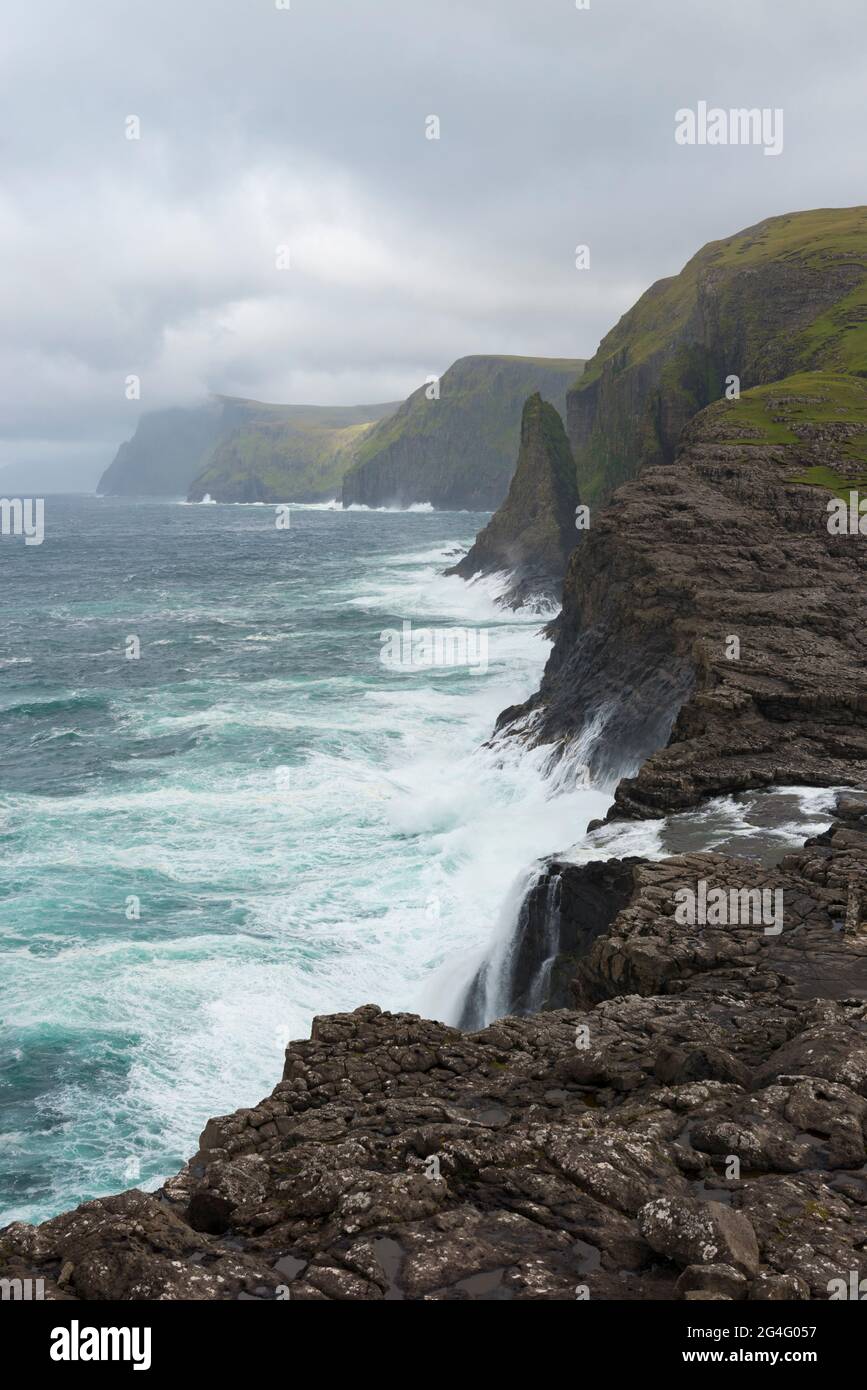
(298, 134)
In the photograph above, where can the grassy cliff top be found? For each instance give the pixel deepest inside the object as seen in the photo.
(321, 416)
(826, 238)
(799, 412)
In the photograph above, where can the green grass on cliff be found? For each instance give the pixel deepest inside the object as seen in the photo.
(777, 413)
(793, 412)
(284, 452)
(831, 480)
(304, 463)
(824, 239)
(785, 297)
(466, 381)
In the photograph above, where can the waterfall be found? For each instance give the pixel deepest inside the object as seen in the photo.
(537, 993)
(515, 975)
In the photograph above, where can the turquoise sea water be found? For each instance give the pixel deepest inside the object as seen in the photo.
(305, 829)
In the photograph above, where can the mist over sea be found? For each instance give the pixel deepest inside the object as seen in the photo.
(305, 829)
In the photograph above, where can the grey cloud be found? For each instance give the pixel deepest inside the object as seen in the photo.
(306, 127)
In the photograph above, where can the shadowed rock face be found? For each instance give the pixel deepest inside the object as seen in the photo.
(720, 545)
(164, 454)
(457, 450)
(697, 1125)
(531, 535)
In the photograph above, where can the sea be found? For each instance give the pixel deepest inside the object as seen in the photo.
(223, 812)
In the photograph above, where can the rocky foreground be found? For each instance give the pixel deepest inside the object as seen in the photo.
(695, 1127)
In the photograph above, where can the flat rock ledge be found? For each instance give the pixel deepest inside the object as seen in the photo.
(696, 1128)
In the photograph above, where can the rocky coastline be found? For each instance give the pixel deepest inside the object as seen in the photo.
(694, 1126)
(671, 1103)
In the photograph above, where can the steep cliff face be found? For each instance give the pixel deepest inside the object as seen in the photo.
(710, 600)
(164, 454)
(532, 534)
(787, 295)
(241, 451)
(284, 453)
(459, 450)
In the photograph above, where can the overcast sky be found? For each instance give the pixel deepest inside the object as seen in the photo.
(305, 128)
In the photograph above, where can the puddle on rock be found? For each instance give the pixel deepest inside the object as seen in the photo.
(391, 1256)
(488, 1286)
(290, 1266)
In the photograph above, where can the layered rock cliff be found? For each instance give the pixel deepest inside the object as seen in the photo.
(457, 448)
(531, 535)
(712, 626)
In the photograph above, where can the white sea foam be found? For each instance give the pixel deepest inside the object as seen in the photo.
(413, 507)
(333, 505)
